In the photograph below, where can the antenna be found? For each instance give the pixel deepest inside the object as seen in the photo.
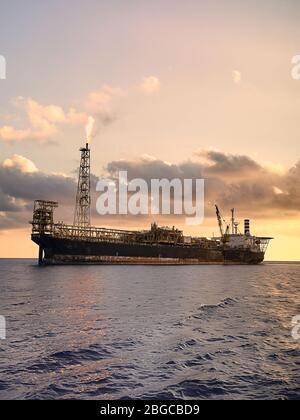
(82, 215)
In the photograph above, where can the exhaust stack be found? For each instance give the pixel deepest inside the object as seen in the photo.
(247, 227)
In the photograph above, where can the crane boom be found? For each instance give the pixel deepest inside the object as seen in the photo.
(220, 221)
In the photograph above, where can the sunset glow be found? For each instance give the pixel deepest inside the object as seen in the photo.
(205, 91)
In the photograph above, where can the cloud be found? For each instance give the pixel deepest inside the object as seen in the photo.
(9, 133)
(144, 168)
(227, 165)
(150, 84)
(74, 117)
(7, 204)
(21, 163)
(277, 191)
(24, 185)
(101, 101)
(237, 77)
(231, 180)
(44, 121)
(21, 183)
(274, 168)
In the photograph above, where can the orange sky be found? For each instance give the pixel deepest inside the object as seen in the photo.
(162, 79)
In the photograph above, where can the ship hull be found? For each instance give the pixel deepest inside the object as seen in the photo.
(62, 251)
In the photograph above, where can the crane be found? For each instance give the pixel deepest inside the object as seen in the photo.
(220, 221)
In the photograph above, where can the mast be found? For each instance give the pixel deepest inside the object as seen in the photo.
(233, 221)
(82, 215)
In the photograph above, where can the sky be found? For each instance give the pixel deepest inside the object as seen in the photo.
(188, 88)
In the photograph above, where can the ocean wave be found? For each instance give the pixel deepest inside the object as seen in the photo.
(201, 389)
(62, 359)
(126, 334)
(206, 309)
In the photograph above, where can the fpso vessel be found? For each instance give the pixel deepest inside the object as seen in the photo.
(81, 243)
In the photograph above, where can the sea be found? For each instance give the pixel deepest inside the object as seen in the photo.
(151, 332)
